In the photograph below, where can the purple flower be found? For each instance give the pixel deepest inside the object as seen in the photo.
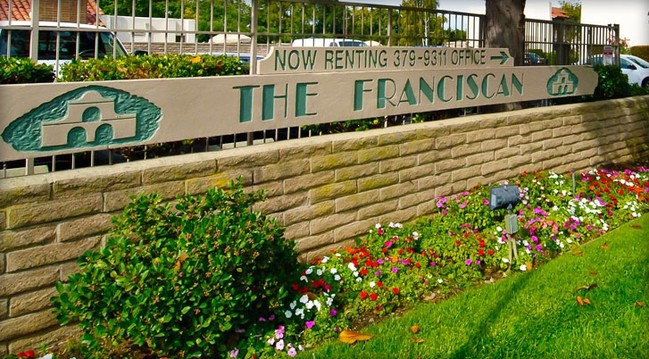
(262, 319)
(478, 262)
(310, 324)
(539, 247)
(432, 264)
(395, 269)
(292, 352)
(333, 312)
(234, 353)
(468, 262)
(379, 261)
(388, 244)
(280, 345)
(377, 273)
(279, 332)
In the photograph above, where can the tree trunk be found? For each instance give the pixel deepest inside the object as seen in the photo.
(505, 27)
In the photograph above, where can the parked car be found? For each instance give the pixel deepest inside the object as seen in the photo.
(635, 68)
(92, 42)
(532, 58)
(323, 42)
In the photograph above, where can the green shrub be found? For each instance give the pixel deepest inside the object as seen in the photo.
(15, 70)
(151, 66)
(640, 51)
(613, 83)
(180, 282)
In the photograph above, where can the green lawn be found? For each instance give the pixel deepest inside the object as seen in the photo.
(533, 314)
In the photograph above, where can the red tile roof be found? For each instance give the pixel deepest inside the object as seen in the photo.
(20, 10)
(558, 13)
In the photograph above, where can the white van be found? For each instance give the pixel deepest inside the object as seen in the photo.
(322, 42)
(15, 39)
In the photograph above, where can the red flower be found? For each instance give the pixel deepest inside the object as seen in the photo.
(26, 354)
(363, 295)
(490, 252)
(395, 290)
(363, 271)
(417, 265)
(481, 252)
(458, 243)
(379, 307)
(379, 284)
(373, 296)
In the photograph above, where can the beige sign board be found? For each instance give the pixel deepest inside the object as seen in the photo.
(338, 59)
(36, 120)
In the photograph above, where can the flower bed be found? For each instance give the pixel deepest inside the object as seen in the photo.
(463, 243)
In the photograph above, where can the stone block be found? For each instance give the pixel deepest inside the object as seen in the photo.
(492, 145)
(358, 171)
(519, 161)
(416, 146)
(52, 211)
(461, 151)
(26, 189)
(396, 164)
(357, 200)
(31, 302)
(375, 210)
(327, 223)
(308, 181)
(312, 242)
(84, 227)
(297, 231)
(4, 308)
(538, 157)
(3, 220)
(352, 142)
(11, 240)
(304, 151)
(480, 135)
(246, 157)
(219, 180)
(333, 161)
(494, 166)
(414, 173)
(552, 143)
(530, 148)
(450, 165)
(398, 190)
(306, 213)
(401, 216)
(414, 199)
(518, 140)
(480, 158)
(400, 135)
(353, 230)
(69, 184)
(52, 338)
(27, 324)
(434, 181)
(434, 156)
(466, 173)
(179, 168)
(49, 254)
(450, 141)
(506, 132)
(377, 181)
(270, 189)
(332, 191)
(281, 203)
(281, 170)
(117, 200)
(372, 154)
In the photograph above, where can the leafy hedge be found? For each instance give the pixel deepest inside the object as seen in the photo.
(21, 71)
(640, 51)
(151, 67)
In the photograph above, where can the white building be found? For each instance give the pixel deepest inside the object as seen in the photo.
(631, 15)
(144, 27)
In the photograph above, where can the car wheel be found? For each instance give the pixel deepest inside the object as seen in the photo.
(645, 83)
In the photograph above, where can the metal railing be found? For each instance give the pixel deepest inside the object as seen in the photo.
(250, 28)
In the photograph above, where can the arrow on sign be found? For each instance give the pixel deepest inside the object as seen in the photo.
(502, 57)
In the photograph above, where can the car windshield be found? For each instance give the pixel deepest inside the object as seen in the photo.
(638, 61)
(15, 43)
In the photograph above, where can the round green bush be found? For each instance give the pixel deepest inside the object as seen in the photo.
(15, 70)
(182, 281)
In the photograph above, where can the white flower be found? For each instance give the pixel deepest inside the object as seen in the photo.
(337, 278)
(304, 299)
(351, 267)
(377, 226)
(304, 279)
(523, 268)
(317, 304)
(48, 356)
(440, 280)
(325, 259)
(309, 305)
(506, 260)
(319, 272)
(333, 270)
(415, 235)
(372, 284)
(288, 314)
(309, 270)
(300, 312)
(359, 279)
(292, 305)
(499, 229)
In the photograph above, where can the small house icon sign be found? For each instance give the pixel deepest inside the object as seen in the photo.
(91, 114)
(562, 83)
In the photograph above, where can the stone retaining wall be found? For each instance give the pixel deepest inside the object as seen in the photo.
(325, 190)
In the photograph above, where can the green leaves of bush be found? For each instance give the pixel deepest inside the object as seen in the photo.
(15, 70)
(613, 83)
(180, 281)
(151, 66)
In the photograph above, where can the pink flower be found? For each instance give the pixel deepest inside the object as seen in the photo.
(292, 352)
(468, 262)
(310, 324)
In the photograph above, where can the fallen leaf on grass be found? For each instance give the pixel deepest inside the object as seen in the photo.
(416, 340)
(577, 253)
(587, 287)
(350, 337)
(586, 301)
(592, 272)
(639, 304)
(414, 329)
(579, 300)
(604, 246)
(636, 226)
(529, 266)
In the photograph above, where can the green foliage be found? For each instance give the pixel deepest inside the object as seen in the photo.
(15, 70)
(151, 66)
(182, 281)
(640, 51)
(613, 83)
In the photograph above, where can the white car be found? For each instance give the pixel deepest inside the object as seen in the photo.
(636, 69)
(322, 42)
(93, 41)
